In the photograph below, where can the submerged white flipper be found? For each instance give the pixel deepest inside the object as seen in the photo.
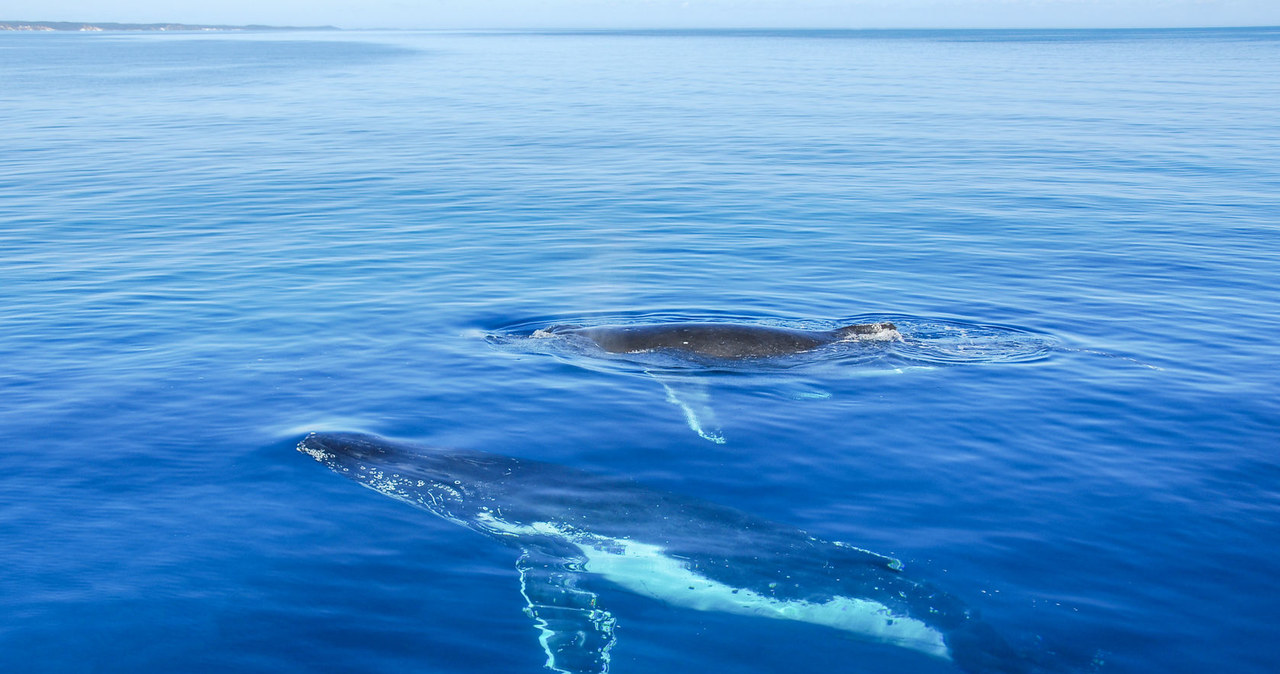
(690, 394)
(576, 634)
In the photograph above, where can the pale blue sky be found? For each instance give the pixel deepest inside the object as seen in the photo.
(663, 13)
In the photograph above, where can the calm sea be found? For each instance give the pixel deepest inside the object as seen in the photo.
(211, 244)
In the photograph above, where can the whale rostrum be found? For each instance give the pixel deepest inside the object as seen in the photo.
(570, 524)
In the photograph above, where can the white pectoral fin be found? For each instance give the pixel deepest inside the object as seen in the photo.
(576, 633)
(691, 395)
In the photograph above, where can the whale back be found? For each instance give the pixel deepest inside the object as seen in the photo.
(707, 339)
(728, 341)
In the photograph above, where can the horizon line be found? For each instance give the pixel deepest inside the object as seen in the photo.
(655, 29)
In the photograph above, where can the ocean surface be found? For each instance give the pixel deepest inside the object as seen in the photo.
(211, 244)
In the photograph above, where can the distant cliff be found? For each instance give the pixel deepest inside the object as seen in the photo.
(86, 27)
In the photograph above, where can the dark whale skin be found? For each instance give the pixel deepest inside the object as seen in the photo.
(721, 340)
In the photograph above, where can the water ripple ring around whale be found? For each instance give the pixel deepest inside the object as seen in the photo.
(917, 344)
(924, 342)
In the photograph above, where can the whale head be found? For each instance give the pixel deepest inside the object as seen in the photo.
(868, 332)
(347, 450)
(446, 483)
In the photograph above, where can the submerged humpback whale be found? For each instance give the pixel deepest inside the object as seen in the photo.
(721, 340)
(569, 524)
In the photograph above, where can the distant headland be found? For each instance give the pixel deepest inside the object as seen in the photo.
(89, 27)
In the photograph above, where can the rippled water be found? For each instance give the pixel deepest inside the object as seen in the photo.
(211, 244)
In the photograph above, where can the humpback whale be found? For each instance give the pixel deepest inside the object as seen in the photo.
(570, 524)
(720, 340)
(719, 344)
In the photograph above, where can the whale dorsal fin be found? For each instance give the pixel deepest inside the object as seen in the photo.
(577, 634)
(890, 563)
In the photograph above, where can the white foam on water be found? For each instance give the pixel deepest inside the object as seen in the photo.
(882, 334)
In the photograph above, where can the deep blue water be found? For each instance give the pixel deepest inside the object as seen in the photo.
(213, 243)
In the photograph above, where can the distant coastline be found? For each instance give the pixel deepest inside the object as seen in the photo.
(94, 27)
